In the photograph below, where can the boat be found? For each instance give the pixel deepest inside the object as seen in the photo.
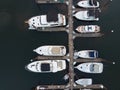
(46, 66)
(40, 21)
(84, 82)
(89, 54)
(51, 50)
(87, 15)
(91, 67)
(88, 4)
(88, 29)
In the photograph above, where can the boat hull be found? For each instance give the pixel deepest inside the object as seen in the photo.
(85, 4)
(88, 29)
(46, 66)
(51, 50)
(84, 82)
(90, 67)
(83, 15)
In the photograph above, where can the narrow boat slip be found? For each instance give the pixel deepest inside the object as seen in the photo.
(84, 81)
(89, 54)
(87, 15)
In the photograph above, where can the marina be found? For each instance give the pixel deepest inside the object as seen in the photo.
(70, 57)
(18, 44)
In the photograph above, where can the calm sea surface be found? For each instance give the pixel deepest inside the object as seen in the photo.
(17, 43)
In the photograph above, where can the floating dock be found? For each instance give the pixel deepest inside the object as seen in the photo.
(88, 35)
(51, 57)
(67, 87)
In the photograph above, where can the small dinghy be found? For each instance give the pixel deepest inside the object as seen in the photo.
(84, 82)
(89, 54)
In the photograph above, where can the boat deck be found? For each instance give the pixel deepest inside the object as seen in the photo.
(51, 29)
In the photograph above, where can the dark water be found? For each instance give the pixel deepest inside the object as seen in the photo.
(17, 43)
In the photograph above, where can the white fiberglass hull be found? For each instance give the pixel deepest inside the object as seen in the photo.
(90, 67)
(84, 82)
(46, 66)
(51, 50)
(85, 4)
(88, 29)
(82, 15)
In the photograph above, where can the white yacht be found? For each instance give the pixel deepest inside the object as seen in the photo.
(88, 4)
(88, 29)
(91, 67)
(87, 15)
(45, 21)
(46, 66)
(51, 50)
(84, 81)
(89, 54)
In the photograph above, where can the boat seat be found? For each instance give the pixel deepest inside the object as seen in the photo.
(55, 50)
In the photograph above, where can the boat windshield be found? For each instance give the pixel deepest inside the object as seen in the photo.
(37, 66)
(91, 54)
(94, 68)
(89, 28)
(45, 67)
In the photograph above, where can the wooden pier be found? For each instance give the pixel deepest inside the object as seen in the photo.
(50, 1)
(67, 87)
(71, 85)
(51, 29)
(51, 57)
(88, 35)
(71, 48)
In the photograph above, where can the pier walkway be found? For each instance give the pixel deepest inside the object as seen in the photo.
(50, 1)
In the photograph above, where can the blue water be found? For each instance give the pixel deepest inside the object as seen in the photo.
(17, 43)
